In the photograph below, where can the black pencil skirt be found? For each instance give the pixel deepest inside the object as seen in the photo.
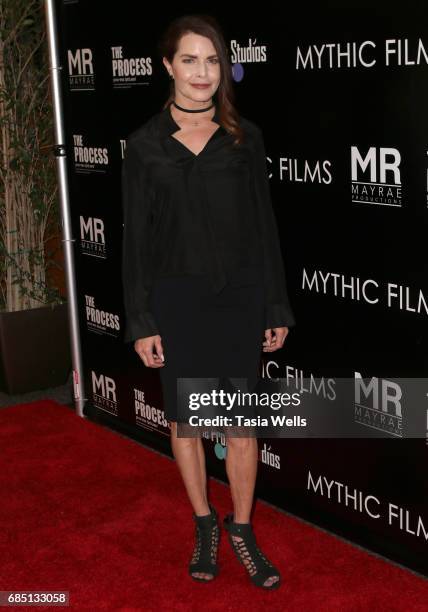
(207, 335)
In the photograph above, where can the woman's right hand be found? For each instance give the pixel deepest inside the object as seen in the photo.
(144, 347)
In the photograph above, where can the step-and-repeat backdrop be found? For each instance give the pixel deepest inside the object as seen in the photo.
(341, 94)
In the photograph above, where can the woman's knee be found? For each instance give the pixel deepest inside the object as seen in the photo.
(240, 441)
(187, 435)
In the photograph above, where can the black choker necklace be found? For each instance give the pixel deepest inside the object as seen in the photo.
(192, 110)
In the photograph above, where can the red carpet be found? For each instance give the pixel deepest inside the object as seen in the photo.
(86, 510)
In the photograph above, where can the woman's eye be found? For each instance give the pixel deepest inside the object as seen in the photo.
(214, 61)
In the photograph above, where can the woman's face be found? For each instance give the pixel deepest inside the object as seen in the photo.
(195, 62)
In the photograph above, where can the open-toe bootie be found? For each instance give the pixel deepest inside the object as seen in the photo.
(207, 535)
(243, 542)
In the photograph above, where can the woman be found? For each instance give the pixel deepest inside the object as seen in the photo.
(203, 274)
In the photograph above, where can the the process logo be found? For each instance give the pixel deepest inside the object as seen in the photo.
(89, 159)
(129, 71)
(122, 144)
(100, 321)
(376, 176)
(147, 416)
(81, 75)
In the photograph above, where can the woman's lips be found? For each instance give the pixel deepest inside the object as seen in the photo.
(201, 86)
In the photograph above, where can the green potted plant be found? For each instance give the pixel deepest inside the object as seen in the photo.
(34, 336)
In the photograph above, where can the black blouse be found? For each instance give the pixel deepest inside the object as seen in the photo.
(194, 214)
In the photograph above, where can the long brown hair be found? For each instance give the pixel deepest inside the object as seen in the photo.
(208, 26)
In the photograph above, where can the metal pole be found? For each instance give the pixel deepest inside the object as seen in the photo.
(60, 154)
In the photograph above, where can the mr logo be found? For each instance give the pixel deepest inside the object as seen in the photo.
(80, 63)
(379, 408)
(383, 185)
(376, 161)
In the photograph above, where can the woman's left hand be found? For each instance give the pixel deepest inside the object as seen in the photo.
(274, 341)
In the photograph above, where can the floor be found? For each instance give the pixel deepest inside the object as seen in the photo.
(63, 395)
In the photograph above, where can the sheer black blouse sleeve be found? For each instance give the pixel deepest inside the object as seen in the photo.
(137, 275)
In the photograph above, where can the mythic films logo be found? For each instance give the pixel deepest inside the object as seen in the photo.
(411, 300)
(345, 54)
(376, 176)
(81, 76)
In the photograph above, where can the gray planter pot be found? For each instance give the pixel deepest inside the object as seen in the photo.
(34, 349)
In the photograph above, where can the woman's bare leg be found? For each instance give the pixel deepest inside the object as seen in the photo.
(190, 457)
(241, 468)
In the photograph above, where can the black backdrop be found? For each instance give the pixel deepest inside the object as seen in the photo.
(336, 126)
